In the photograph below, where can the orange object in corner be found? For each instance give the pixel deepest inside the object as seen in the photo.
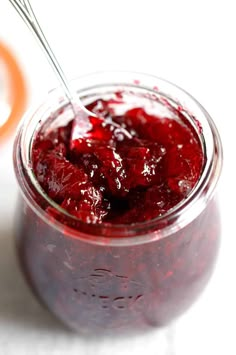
(13, 88)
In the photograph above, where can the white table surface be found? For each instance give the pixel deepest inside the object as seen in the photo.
(191, 43)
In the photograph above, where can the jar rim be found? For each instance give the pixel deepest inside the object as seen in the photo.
(136, 233)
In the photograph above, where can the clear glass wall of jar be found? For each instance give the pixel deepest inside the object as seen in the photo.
(115, 277)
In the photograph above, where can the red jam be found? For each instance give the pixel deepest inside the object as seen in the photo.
(135, 163)
(126, 168)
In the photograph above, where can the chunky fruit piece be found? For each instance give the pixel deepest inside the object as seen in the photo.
(89, 209)
(118, 168)
(60, 178)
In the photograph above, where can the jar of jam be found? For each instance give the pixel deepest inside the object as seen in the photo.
(118, 229)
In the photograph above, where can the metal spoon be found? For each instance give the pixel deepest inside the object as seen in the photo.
(81, 122)
(24, 9)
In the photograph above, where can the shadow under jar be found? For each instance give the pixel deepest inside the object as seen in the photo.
(105, 277)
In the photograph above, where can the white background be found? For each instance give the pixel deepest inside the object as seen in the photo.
(191, 43)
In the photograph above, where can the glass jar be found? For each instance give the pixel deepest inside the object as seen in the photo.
(115, 277)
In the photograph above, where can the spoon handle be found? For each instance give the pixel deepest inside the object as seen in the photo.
(24, 9)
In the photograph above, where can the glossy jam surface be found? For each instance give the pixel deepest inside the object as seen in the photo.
(128, 165)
